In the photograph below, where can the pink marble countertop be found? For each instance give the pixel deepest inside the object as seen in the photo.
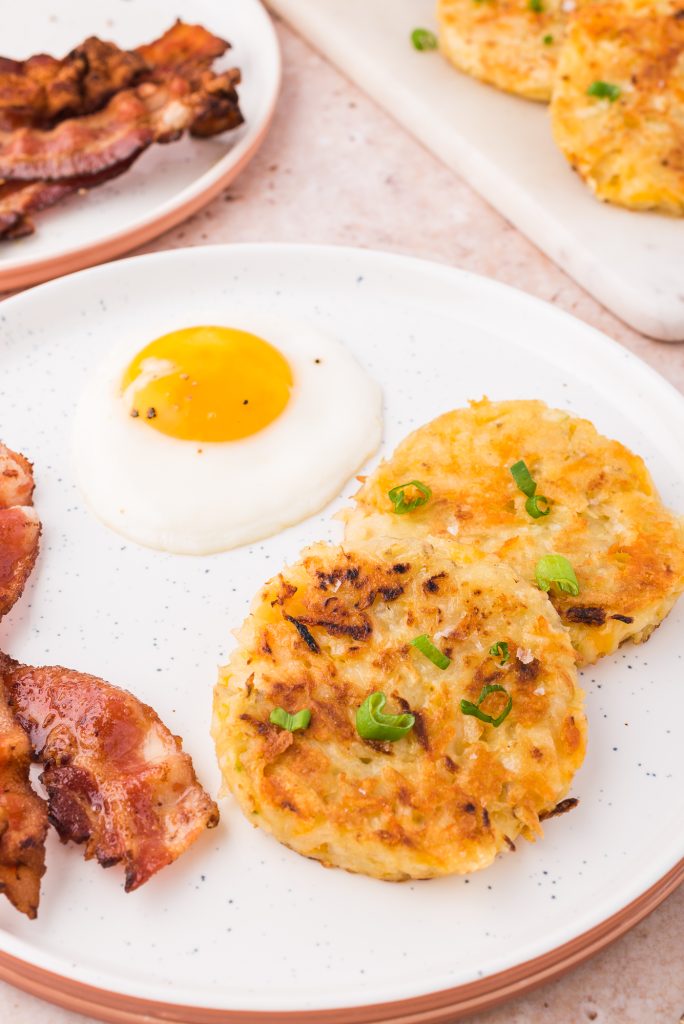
(336, 169)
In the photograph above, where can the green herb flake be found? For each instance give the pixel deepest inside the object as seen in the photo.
(371, 724)
(402, 504)
(500, 650)
(556, 569)
(300, 720)
(534, 509)
(423, 39)
(523, 478)
(425, 645)
(604, 91)
(536, 505)
(468, 708)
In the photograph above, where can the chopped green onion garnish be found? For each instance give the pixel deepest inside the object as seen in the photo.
(426, 647)
(547, 40)
(300, 720)
(468, 708)
(523, 478)
(535, 5)
(525, 483)
(424, 39)
(604, 91)
(371, 724)
(556, 569)
(500, 650)
(534, 509)
(402, 504)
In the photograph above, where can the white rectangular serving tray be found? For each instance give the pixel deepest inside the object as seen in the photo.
(631, 262)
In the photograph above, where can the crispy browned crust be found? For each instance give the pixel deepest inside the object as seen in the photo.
(117, 779)
(338, 625)
(508, 43)
(23, 816)
(629, 150)
(606, 516)
(42, 91)
(19, 526)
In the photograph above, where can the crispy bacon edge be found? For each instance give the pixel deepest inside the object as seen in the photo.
(23, 817)
(20, 199)
(19, 526)
(182, 48)
(117, 779)
(42, 91)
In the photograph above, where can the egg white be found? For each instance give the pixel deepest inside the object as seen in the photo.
(196, 498)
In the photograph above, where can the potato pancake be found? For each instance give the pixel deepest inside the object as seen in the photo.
(605, 518)
(618, 103)
(512, 44)
(452, 791)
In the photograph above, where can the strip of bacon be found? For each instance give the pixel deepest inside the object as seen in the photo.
(19, 526)
(16, 478)
(20, 199)
(41, 91)
(117, 779)
(19, 533)
(182, 47)
(131, 121)
(23, 818)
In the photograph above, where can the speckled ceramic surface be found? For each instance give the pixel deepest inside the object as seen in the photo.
(502, 146)
(240, 922)
(166, 183)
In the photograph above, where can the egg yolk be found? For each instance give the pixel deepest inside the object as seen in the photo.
(207, 384)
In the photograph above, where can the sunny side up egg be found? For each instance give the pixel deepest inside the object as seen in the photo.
(210, 437)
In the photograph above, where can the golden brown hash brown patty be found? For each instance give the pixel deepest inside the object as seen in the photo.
(606, 517)
(336, 627)
(512, 44)
(629, 149)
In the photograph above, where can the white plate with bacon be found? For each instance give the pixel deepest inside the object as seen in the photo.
(240, 928)
(86, 171)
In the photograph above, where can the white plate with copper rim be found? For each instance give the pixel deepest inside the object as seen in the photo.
(241, 928)
(167, 183)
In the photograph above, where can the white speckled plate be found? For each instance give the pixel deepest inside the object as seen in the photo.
(241, 923)
(167, 183)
